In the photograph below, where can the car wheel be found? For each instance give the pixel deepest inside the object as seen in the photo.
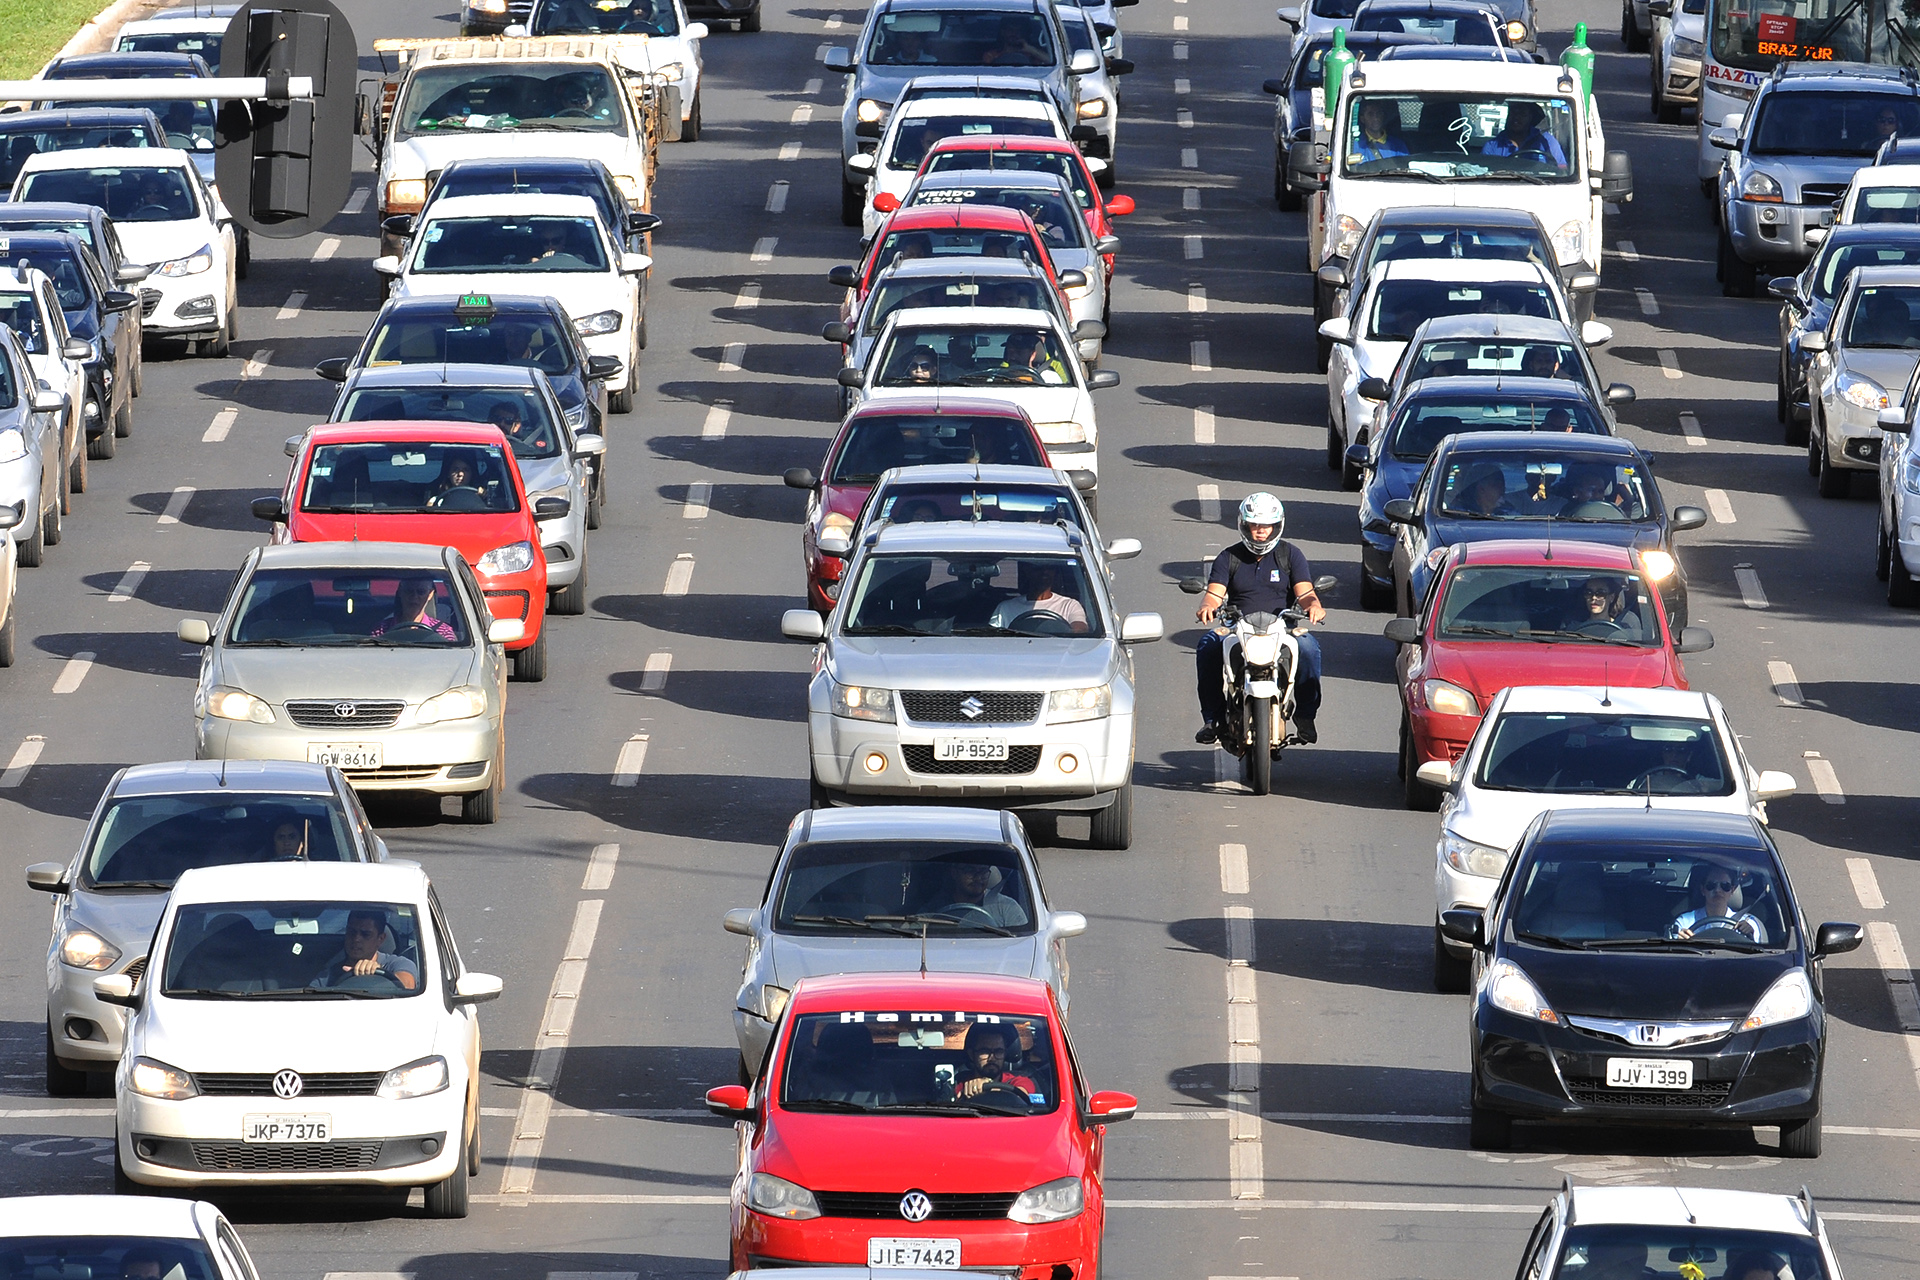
(31, 553)
(107, 443)
(62, 1081)
(1882, 552)
(9, 636)
(1489, 1130)
(750, 23)
(1816, 446)
(853, 200)
(139, 375)
(1259, 757)
(1286, 197)
(1780, 398)
(77, 469)
(1336, 450)
(1113, 826)
(481, 808)
(1350, 475)
(1902, 591)
(570, 601)
(1835, 482)
(1450, 973)
(220, 343)
(473, 1153)
(448, 1199)
(530, 663)
(690, 127)
(53, 523)
(1800, 1139)
(1418, 795)
(242, 255)
(596, 496)
(818, 797)
(1737, 278)
(1374, 597)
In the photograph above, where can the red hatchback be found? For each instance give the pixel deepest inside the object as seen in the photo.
(1526, 612)
(898, 433)
(451, 484)
(1043, 155)
(927, 1121)
(945, 231)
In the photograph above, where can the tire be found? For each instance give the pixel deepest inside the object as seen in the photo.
(1286, 197)
(1882, 553)
(1816, 443)
(852, 202)
(1451, 974)
(9, 636)
(77, 469)
(1902, 591)
(1260, 750)
(690, 127)
(32, 553)
(139, 374)
(570, 601)
(1418, 795)
(448, 1199)
(1737, 278)
(530, 663)
(1835, 482)
(1372, 597)
(62, 1082)
(218, 346)
(1113, 826)
(473, 1153)
(596, 498)
(1780, 397)
(640, 326)
(1350, 475)
(1489, 1130)
(1800, 1139)
(481, 808)
(1336, 451)
(106, 444)
(750, 23)
(242, 255)
(53, 525)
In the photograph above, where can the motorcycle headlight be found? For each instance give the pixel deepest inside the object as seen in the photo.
(778, 1198)
(1788, 998)
(193, 264)
(158, 1080)
(1260, 651)
(1061, 432)
(1508, 987)
(1470, 858)
(406, 195)
(871, 111)
(773, 1001)
(597, 323)
(13, 445)
(1683, 48)
(463, 703)
(1449, 699)
(1092, 108)
(416, 1079)
(1570, 241)
(672, 73)
(857, 702)
(515, 557)
(1346, 234)
(1760, 186)
(1658, 564)
(1054, 1201)
(1862, 393)
(1066, 705)
(84, 949)
(238, 704)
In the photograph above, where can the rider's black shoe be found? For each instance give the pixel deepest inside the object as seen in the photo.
(1304, 731)
(1209, 733)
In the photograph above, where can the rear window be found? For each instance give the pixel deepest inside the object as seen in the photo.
(206, 44)
(1423, 424)
(1058, 163)
(1847, 258)
(916, 137)
(519, 412)
(145, 842)
(877, 443)
(1401, 306)
(529, 341)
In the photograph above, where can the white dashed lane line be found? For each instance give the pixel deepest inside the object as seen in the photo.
(834, 22)
(1196, 299)
(24, 758)
(1752, 594)
(1866, 885)
(1786, 685)
(74, 672)
(749, 296)
(699, 495)
(1193, 248)
(1825, 780)
(777, 198)
(1190, 198)
(1628, 253)
(176, 506)
(1648, 306)
(1200, 356)
(1690, 427)
(600, 868)
(1180, 22)
(291, 310)
(1233, 869)
(803, 114)
(1246, 1166)
(1209, 503)
(653, 677)
(820, 52)
(679, 575)
(325, 250)
(256, 364)
(1203, 424)
(813, 86)
(357, 201)
(1183, 118)
(732, 356)
(789, 151)
(222, 423)
(1182, 85)
(550, 1048)
(632, 758)
(1720, 505)
(1189, 158)
(718, 415)
(763, 249)
(129, 583)
(1670, 364)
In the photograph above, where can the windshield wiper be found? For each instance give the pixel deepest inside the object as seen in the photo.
(214, 993)
(937, 1109)
(1706, 944)
(930, 918)
(826, 1104)
(131, 884)
(1547, 940)
(878, 924)
(885, 629)
(346, 993)
(1587, 636)
(1501, 632)
(1509, 175)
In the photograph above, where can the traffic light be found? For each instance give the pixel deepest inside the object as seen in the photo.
(284, 166)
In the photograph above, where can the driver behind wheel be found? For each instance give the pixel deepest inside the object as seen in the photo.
(413, 606)
(973, 889)
(1715, 893)
(1040, 593)
(361, 957)
(988, 1046)
(1028, 353)
(1604, 610)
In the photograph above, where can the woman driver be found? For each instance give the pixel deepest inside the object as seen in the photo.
(1712, 888)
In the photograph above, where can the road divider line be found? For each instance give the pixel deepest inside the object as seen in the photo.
(1190, 198)
(369, 1275)
(1203, 424)
(1180, 22)
(732, 356)
(1670, 363)
(25, 756)
(803, 114)
(550, 1049)
(600, 868)
(1246, 1161)
(1826, 782)
(834, 22)
(1209, 495)
(632, 758)
(593, 1275)
(222, 423)
(1866, 885)
(1200, 356)
(176, 506)
(814, 85)
(679, 575)
(325, 250)
(719, 414)
(256, 364)
(1183, 118)
(748, 299)
(291, 308)
(129, 583)
(699, 495)
(1182, 85)
(1226, 771)
(791, 150)
(1752, 594)
(1196, 299)
(1179, 50)
(653, 676)
(1233, 869)
(1721, 506)
(74, 672)
(1897, 971)
(777, 198)
(1189, 158)
(1690, 426)
(1648, 305)
(1786, 685)
(763, 249)
(1628, 252)
(357, 201)
(820, 51)
(1193, 248)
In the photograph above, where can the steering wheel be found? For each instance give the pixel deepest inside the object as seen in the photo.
(959, 908)
(367, 982)
(1039, 622)
(412, 626)
(1720, 924)
(1599, 626)
(1012, 1091)
(470, 500)
(1645, 776)
(1595, 510)
(573, 113)
(164, 212)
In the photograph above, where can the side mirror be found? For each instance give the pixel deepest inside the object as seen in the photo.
(640, 224)
(600, 368)
(837, 331)
(1120, 66)
(1469, 927)
(132, 273)
(1089, 331)
(696, 31)
(119, 300)
(1400, 511)
(1119, 206)
(1084, 62)
(845, 277)
(588, 445)
(863, 161)
(1290, 16)
(1694, 640)
(1893, 421)
(1106, 245)
(851, 377)
(635, 264)
(506, 631)
(48, 401)
(1435, 773)
(1660, 8)
(1621, 393)
(1068, 924)
(1109, 1106)
(835, 542)
(800, 478)
(387, 265)
(398, 224)
(1734, 119)
(838, 59)
(334, 370)
(1616, 177)
(1815, 236)
(1584, 282)
(1102, 380)
(1083, 481)
(738, 920)
(1685, 518)
(1595, 334)
(1193, 586)
(1336, 330)
(291, 445)
(1725, 139)
(1277, 88)
(1834, 938)
(1774, 785)
(272, 510)
(194, 631)
(1325, 583)
(1140, 628)
(1372, 388)
(1308, 164)
(117, 989)
(552, 508)
(732, 1101)
(886, 202)
(802, 624)
(1783, 286)
(1073, 279)
(51, 877)
(477, 988)
(1124, 548)
(1403, 631)
(1814, 342)
(1358, 456)
(1333, 275)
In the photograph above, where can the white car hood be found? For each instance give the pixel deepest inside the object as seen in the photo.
(1042, 403)
(1498, 818)
(304, 1034)
(153, 243)
(582, 293)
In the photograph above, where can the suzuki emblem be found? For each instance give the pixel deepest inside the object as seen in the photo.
(915, 1206)
(972, 707)
(287, 1084)
(345, 710)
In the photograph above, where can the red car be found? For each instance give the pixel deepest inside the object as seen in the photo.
(452, 484)
(1048, 155)
(935, 1122)
(898, 433)
(1526, 612)
(954, 230)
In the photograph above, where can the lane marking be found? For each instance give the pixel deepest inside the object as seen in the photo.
(776, 200)
(1196, 299)
(679, 575)
(732, 356)
(1183, 118)
(600, 868)
(256, 364)
(1233, 868)
(326, 249)
(369, 1275)
(632, 757)
(1691, 426)
(820, 52)
(1190, 198)
(1246, 1158)
(1179, 50)
(1866, 885)
(719, 413)
(1721, 506)
(803, 114)
(291, 308)
(1752, 594)
(653, 676)
(1670, 364)
(1825, 780)
(176, 505)
(1209, 503)
(1200, 356)
(1189, 158)
(813, 86)
(763, 249)
(1182, 85)
(24, 758)
(1628, 251)
(222, 423)
(790, 150)
(550, 1049)
(74, 672)
(129, 583)
(1786, 685)
(1648, 305)
(1891, 955)
(1203, 424)
(593, 1275)
(1180, 22)
(748, 299)
(357, 201)
(699, 494)
(1193, 248)
(834, 22)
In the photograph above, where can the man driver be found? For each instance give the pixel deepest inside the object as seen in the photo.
(361, 957)
(1261, 573)
(988, 1047)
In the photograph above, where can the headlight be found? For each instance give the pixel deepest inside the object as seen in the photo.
(837, 523)
(1760, 186)
(487, 6)
(515, 557)
(406, 195)
(672, 73)
(1434, 559)
(773, 1001)
(598, 322)
(1509, 988)
(628, 184)
(1092, 108)
(455, 704)
(193, 264)
(158, 1080)
(86, 950)
(13, 445)
(1788, 998)
(1449, 699)
(1516, 31)
(1862, 393)
(1470, 858)
(871, 111)
(1054, 1201)
(1346, 234)
(1658, 564)
(416, 1079)
(1065, 705)
(1061, 432)
(856, 702)
(237, 704)
(1570, 241)
(1260, 651)
(1910, 472)
(576, 415)
(778, 1198)
(1686, 48)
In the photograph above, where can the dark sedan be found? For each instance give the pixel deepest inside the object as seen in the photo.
(544, 175)
(1807, 304)
(1647, 966)
(24, 134)
(96, 311)
(1517, 484)
(1294, 117)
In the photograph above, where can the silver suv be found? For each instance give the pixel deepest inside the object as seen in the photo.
(1791, 157)
(975, 664)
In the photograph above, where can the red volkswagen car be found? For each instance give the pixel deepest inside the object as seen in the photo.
(451, 484)
(1045, 155)
(1526, 612)
(926, 1121)
(946, 231)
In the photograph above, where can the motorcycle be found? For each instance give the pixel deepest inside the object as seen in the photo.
(1259, 660)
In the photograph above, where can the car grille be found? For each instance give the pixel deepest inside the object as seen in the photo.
(886, 1204)
(1019, 760)
(259, 1084)
(149, 299)
(1822, 192)
(522, 598)
(942, 706)
(247, 1157)
(1592, 1091)
(394, 773)
(346, 713)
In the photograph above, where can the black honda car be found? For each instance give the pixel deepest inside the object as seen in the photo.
(1647, 966)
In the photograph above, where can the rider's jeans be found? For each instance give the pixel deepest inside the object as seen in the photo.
(1213, 699)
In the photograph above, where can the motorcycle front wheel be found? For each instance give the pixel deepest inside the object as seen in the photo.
(1260, 750)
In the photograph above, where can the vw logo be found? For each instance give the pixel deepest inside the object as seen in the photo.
(287, 1084)
(345, 710)
(1647, 1033)
(915, 1206)
(971, 708)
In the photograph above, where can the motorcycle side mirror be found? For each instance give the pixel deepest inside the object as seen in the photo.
(1193, 586)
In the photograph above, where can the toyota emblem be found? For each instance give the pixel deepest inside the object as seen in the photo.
(972, 707)
(287, 1084)
(345, 710)
(915, 1206)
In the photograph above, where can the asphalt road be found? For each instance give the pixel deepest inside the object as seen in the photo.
(1338, 1146)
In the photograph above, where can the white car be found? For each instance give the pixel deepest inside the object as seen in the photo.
(30, 307)
(1099, 106)
(1879, 193)
(114, 1235)
(168, 219)
(915, 126)
(980, 348)
(301, 1023)
(32, 459)
(1897, 559)
(653, 35)
(1678, 36)
(1543, 747)
(541, 244)
(1781, 1235)
(1397, 298)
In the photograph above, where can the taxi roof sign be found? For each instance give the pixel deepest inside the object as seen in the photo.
(474, 302)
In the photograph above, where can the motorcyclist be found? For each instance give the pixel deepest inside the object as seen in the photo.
(1262, 573)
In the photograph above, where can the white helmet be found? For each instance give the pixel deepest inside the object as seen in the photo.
(1262, 508)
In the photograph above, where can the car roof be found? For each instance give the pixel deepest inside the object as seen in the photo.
(446, 303)
(978, 108)
(1856, 232)
(1000, 992)
(501, 204)
(1474, 270)
(997, 6)
(1796, 77)
(1012, 179)
(50, 210)
(184, 20)
(1892, 274)
(911, 268)
(934, 404)
(1628, 826)
(1572, 442)
(1886, 175)
(14, 280)
(1371, 39)
(988, 217)
(1536, 79)
(1504, 386)
(394, 881)
(77, 117)
(353, 557)
(475, 433)
(109, 158)
(163, 1217)
(1602, 699)
(1563, 553)
(60, 239)
(445, 375)
(526, 164)
(1708, 1208)
(87, 65)
(1018, 317)
(1002, 142)
(1463, 8)
(905, 822)
(172, 777)
(966, 538)
(1483, 325)
(1451, 217)
(970, 473)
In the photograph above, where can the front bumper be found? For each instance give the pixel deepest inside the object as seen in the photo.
(563, 543)
(20, 482)
(1682, 87)
(1100, 751)
(188, 307)
(70, 1001)
(1439, 737)
(722, 8)
(448, 759)
(521, 596)
(1765, 232)
(1852, 444)
(374, 1141)
(994, 1244)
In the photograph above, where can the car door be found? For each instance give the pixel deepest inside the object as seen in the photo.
(73, 373)
(1410, 539)
(465, 1017)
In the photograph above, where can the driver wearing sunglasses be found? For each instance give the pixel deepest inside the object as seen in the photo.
(1713, 889)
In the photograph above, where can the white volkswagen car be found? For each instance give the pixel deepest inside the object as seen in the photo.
(1545, 747)
(168, 219)
(301, 1023)
(103, 1236)
(542, 244)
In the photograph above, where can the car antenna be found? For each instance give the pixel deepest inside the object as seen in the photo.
(923, 948)
(1806, 1206)
(1685, 1208)
(1649, 808)
(223, 773)
(1606, 686)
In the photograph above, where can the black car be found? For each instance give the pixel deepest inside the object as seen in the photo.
(1448, 21)
(25, 134)
(88, 221)
(95, 310)
(1647, 966)
(744, 12)
(1807, 303)
(1293, 114)
(553, 176)
(1584, 488)
(533, 332)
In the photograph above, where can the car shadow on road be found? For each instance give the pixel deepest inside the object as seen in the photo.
(620, 1077)
(1868, 702)
(771, 502)
(70, 790)
(759, 695)
(230, 509)
(743, 808)
(1358, 953)
(188, 590)
(711, 617)
(145, 652)
(1881, 825)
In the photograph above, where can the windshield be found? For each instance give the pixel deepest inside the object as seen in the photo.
(1061, 223)
(1888, 204)
(1025, 504)
(491, 182)
(1335, 8)
(1058, 163)
(18, 313)
(533, 97)
(1446, 30)
(1544, 603)
(878, 442)
(1401, 306)
(846, 888)
(106, 1257)
(84, 230)
(1032, 293)
(1707, 899)
(411, 478)
(1560, 753)
(915, 137)
(1423, 423)
(519, 412)
(1542, 485)
(926, 1062)
(293, 950)
(604, 17)
(1512, 244)
(9, 395)
(961, 38)
(18, 146)
(1445, 137)
(973, 356)
(1830, 124)
(1757, 37)
(204, 43)
(960, 242)
(145, 842)
(466, 246)
(188, 125)
(529, 340)
(335, 609)
(1466, 357)
(1883, 316)
(972, 595)
(127, 195)
(1607, 1251)
(69, 280)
